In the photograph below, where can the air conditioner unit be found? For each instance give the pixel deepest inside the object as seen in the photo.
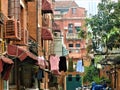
(13, 29)
(24, 38)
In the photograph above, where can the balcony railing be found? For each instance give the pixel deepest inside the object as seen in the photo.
(72, 36)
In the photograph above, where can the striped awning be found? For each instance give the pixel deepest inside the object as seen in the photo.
(3, 60)
(46, 34)
(46, 7)
(20, 52)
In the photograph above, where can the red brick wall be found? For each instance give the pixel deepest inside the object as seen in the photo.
(80, 12)
(32, 19)
(78, 17)
(4, 7)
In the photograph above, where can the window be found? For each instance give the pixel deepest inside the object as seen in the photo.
(70, 25)
(77, 28)
(77, 45)
(70, 28)
(70, 45)
(73, 10)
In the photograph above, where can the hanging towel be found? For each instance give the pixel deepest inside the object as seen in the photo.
(41, 62)
(80, 67)
(40, 74)
(54, 62)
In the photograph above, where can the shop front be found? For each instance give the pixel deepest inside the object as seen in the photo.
(23, 74)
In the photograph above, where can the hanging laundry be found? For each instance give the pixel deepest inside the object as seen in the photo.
(55, 72)
(54, 62)
(62, 64)
(80, 67)
(40, 74)
(41, 62)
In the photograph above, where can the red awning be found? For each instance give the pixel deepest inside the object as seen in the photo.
(6, 71)
(5, 60)
(20, 52)
(46, 7)
(46, 34)
(1, 66)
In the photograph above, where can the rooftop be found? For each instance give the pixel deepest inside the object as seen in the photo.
(65, 4)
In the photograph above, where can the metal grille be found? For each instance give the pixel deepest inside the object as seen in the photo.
(24, 38)
(12, 30)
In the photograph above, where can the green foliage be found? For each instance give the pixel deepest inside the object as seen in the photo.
(89, 48)
(104, 79)
(33, 47)
(90, 73)
(70, 65)
(98, 58)
(105, 26)
(97, 80)
(82, 34)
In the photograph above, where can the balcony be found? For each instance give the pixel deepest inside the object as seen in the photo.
(75, 55)
(72, 36)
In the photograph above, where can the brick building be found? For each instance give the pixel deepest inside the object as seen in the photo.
(71, 19)
(23, 37)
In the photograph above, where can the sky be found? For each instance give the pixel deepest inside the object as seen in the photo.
(89, 5)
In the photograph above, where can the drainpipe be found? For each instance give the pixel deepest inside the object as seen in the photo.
(37, 20)
(115, 78)
(37, 33)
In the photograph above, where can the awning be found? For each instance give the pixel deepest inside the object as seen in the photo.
(20, 52)
(6, 71)
(46, 7)
(55, 27)
(1, 66)
(46, 34)
(5, 60)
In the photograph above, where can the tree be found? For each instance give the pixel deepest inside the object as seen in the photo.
(105, 26)
(90, 73)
